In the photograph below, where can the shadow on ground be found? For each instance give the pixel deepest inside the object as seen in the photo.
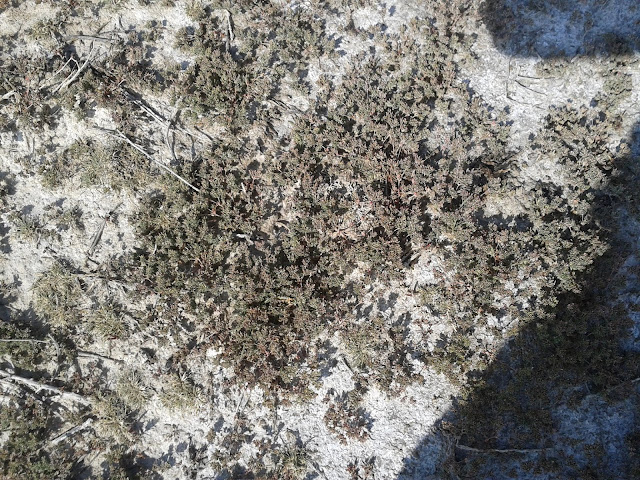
(563, 28)
(562, 397)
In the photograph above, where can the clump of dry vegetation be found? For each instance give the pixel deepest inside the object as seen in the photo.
(346, 419)
(262, 233)
(30, 425)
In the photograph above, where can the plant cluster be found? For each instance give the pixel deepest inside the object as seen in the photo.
(109, 166)
(30, 425)
(46, 437)
(285, 230)
(361, 179)
(362, 470)
(288, 461)
(398, 158)
(19, 349)
(377, 352)
(346, 418)
(25, 103)
(234, 85)
(47, 226)
(58, 297)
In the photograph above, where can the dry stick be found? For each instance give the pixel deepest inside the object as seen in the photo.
(89, 37)
(536, 78)
(28, 340)
(7, 95)
(141, 150)
(162, 121)
(96, 237)
(55, 344)
(71, 78)
(228, 15)
(535, 105)
(506, 84)
(63, 66)
(57, 72)
(171, 144)
(149, 157)
(230, 30)
(499, 450)
(71, 431)
(529, 88)
(508, 93)
(97, 356)
(41, 386)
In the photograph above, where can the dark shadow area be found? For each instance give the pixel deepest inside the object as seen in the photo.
(561, 399)
(563, 28)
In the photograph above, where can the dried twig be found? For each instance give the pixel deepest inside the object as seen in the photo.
(97, 356)
(72, 431)
(55, 344)
(8, 95)
(119, 134)
(89, 37)
(74, 397)
(43, 87)
(502, 450)
(26, 340)
(171, 143)
(72, 77)
(230, 36)
(158, 118)
(98, 235)
(528, 88)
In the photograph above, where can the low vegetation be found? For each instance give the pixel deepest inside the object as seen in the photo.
(285, 197)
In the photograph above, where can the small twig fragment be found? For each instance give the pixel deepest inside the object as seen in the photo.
(171, 143)
(97, 356)
(501, 450)
(529, 88)
(72, 431)
(98, 235)
(25, 340)
(229, 29)
(149, 157)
